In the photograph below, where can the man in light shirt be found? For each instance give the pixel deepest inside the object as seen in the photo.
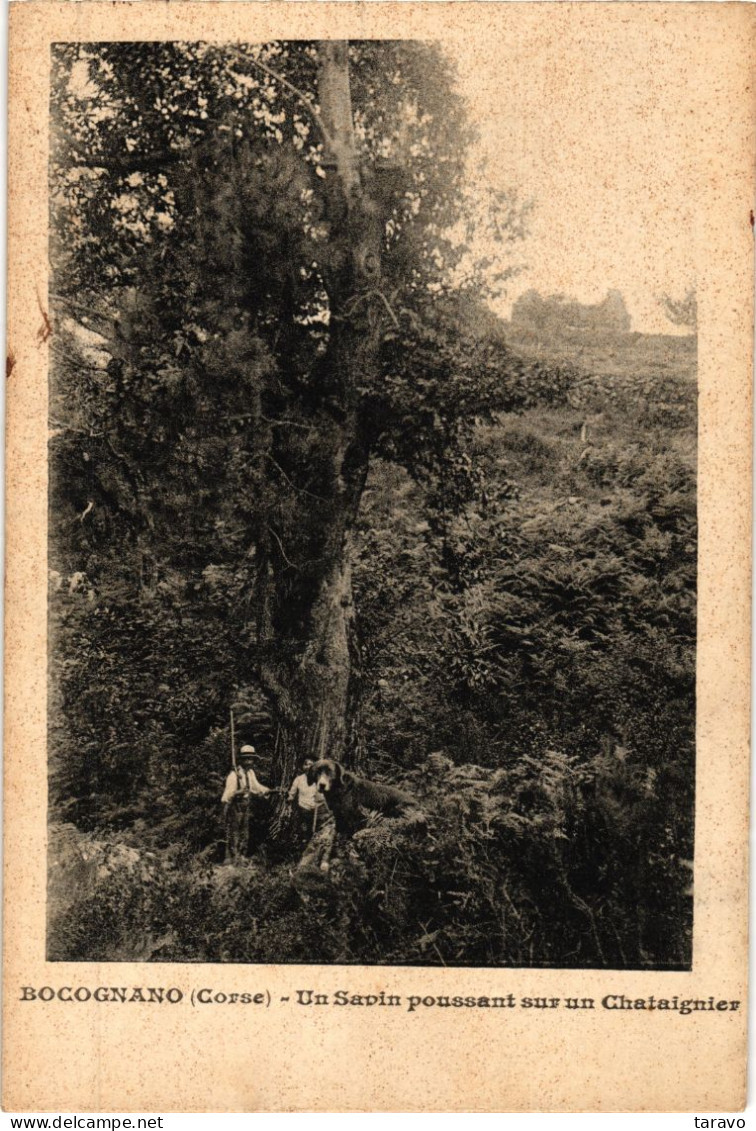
(307, 801)
(241, 785)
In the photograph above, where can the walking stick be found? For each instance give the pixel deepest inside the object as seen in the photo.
(230, 846)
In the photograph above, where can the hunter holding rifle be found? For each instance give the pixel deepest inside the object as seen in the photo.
(241, 785)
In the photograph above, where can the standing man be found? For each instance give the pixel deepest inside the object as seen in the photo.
(241, 785)
(307, 801)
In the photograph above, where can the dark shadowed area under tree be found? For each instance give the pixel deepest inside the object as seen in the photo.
(301, 472)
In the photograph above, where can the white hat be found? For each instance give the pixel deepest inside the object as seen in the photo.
(247, 750)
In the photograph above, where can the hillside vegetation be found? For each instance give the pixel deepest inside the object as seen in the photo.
(527, 670)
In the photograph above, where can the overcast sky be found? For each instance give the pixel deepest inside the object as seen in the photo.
(600, 132)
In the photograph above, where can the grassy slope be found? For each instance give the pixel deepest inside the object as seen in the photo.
(625, 355)
(552, 453)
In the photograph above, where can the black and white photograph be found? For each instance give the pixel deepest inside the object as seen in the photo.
(372, 539)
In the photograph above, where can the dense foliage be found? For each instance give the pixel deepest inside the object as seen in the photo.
(242, 372)
(557, 673)
(522, 544)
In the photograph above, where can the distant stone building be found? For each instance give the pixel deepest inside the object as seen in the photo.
(558, 312)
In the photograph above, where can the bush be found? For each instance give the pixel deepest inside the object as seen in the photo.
(540, 863)
(543, 637)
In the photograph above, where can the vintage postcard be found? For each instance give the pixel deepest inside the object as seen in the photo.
(378, 556)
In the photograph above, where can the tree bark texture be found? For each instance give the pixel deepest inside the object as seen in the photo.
(309, 670)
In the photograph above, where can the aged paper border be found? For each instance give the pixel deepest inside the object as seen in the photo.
(90, 1057)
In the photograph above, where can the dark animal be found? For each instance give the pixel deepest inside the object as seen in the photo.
(355, 801)
(359, 810)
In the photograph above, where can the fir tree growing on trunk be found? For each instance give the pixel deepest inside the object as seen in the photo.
(254, 292)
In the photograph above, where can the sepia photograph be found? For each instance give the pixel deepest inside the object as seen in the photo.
(372, 539)
(378, 557)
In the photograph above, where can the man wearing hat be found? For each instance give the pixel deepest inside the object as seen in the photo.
(241, 784)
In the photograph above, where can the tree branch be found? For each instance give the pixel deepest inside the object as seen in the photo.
(85, 309)
(303, 99)
(280, 547)
(154, 162)
(132, 162)
(270, 420)
(294, 487)
(75, 360)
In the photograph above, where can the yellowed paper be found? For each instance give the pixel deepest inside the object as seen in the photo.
(607, 65)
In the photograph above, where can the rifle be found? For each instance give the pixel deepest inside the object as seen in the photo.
(233, 743)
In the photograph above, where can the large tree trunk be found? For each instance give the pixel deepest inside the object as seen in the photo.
(309, 661)
(313, 721)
